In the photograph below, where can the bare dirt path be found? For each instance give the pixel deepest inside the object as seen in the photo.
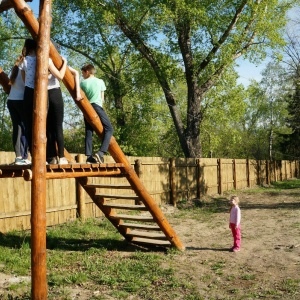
(268, 265)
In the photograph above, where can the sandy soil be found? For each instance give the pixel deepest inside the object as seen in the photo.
(268, 265)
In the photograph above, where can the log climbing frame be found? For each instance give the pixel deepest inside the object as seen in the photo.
(149, 227)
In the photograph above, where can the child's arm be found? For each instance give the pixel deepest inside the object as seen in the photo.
(77, 85)
(59, 74)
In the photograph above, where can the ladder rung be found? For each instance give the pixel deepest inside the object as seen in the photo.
(151, 241)
(109, 186)
(146, 234)
(126, 206)
(133, 218)
(128, 197)
(140, 226)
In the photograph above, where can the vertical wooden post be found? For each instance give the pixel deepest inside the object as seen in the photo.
(139, 172)
(198, 177)
(267, 172)
(285, 170)
(172, 174)
(248, 172)
(220, 186)
(138, 167)
(258, 172)
(80, 194)
(234, 174)
(38, 185)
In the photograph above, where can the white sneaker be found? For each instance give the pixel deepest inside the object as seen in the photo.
(27, 161)
(63, 161)
(20, 161)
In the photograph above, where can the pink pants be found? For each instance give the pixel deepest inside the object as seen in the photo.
(236, 233)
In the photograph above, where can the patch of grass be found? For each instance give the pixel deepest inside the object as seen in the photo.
(287, 184)
(296, 225)
(218, 267)
(86, 254)
(290, 285)
(248, 277)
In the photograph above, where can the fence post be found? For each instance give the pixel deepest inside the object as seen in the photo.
(80, 199)
(198, 178)
(234, 174)
(220, 187)
(139, 172)
(267, 172)
(285, 170)
(258, 172)
(172, 170)
(138, 167)
(248, 173)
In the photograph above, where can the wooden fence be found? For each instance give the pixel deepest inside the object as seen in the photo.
(167, 180)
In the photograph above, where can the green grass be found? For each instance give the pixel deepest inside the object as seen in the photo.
(88, 254)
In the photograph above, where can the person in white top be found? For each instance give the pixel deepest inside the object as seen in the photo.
(54, 132)
(235, 223)
(15, 108)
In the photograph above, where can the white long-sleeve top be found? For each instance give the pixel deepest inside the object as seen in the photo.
(235, 215)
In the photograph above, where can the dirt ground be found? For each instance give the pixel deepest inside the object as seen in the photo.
(268, 265)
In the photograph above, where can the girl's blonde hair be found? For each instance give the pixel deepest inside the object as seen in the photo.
(236, 198)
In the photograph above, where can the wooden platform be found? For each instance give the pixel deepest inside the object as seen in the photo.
(57, 171)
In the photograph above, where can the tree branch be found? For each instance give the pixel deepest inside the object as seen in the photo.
(223, 38)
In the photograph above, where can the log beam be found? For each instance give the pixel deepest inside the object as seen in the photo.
(7, 4)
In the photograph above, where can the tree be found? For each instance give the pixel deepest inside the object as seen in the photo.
(264, 121)
(195, 41)
(290, 144)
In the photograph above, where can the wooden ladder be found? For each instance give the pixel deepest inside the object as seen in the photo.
(136, 215)
(128, 213)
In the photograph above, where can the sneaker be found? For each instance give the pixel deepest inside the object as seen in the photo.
(63, 161)
(27, 161)
(236, 249)
(52, 161)
(99, 158)
(20, 161)
(91, 160)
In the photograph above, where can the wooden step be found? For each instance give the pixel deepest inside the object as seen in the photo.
(133, 218)
(140, 226)
(147, 234)
(126, 206)
(127, 197)
(151, 242)
(109, 186)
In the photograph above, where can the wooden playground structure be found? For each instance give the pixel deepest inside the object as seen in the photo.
(135, 228)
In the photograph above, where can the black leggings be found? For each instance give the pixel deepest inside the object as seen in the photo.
(15, 108)
(28, 111)
(55, 119)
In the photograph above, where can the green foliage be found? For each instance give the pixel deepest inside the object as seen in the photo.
(141, 37)
(171, 89)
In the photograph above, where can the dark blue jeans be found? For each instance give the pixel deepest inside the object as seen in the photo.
(108, 131)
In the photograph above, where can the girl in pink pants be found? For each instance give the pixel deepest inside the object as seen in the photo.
(235, 223)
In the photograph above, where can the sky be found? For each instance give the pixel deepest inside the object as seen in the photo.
(246, 70)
